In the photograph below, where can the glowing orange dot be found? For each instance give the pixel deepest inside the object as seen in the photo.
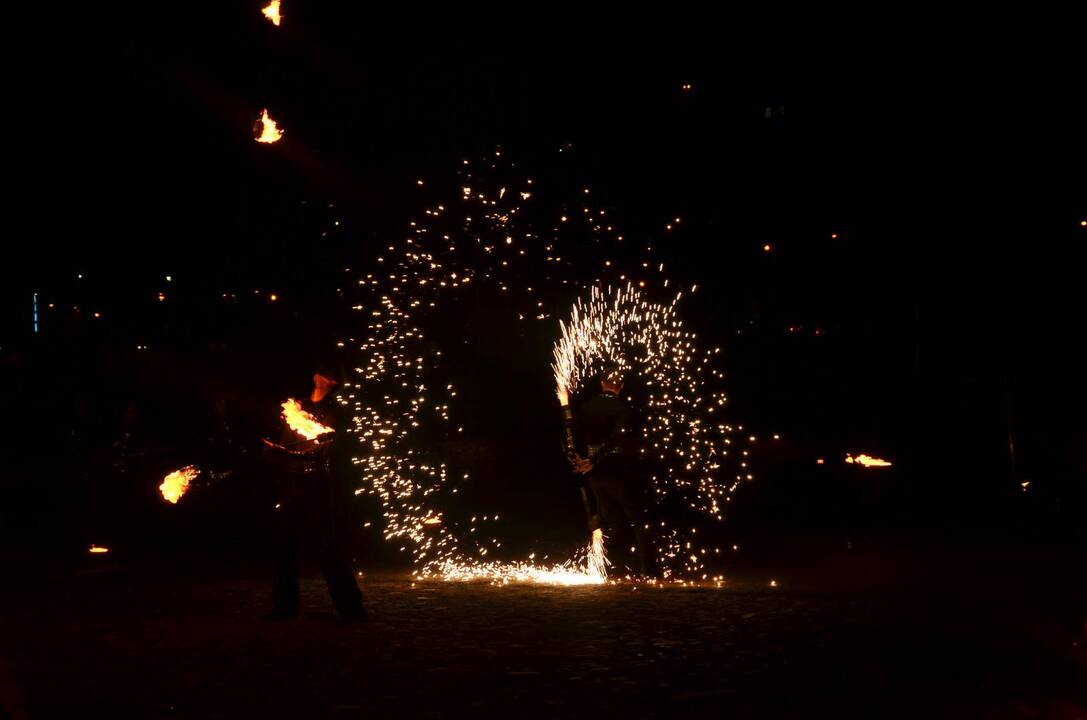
(819, 461)
(1083, 223)
(834, 236)
(273, 297)
(766, 248)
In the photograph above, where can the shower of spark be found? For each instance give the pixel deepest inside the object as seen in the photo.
(495, 236)
(177, 483)
(267, 128)
(593, 570)
(301, 421)
(680, 439)
(271, 11)
(597, 559)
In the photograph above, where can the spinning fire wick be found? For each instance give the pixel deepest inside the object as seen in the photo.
(177, 483)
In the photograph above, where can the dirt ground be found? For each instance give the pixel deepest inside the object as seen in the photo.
(122, 643)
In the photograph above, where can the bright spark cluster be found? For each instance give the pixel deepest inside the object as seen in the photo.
(495, 237)
(682, 438)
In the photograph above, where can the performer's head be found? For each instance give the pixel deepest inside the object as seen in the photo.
(611, 380)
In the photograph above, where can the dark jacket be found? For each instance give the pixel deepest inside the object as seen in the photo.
(605, 427)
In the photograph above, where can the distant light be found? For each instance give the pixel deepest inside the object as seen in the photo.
(97, 550)
(834, 236)
(98, 314)
(766, 247)
(819, 461)
(1083, 223)
(418, 182)
(273, 297)
(169, 278)
(773, 583)
(162, 297)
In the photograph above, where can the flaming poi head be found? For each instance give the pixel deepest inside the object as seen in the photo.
(271, 11)
(301, 421)
(867, 461)
(266, 130)
(177, 483)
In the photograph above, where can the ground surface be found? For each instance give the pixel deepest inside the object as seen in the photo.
(119, 643)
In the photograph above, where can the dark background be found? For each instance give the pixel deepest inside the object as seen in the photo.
(946, 160)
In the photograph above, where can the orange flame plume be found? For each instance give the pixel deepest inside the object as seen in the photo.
(867, 461)
(301, 421)
(269, 131)
(176, 483)
(271, 11)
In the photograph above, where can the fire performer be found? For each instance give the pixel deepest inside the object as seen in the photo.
(615, 496)
(310, 509)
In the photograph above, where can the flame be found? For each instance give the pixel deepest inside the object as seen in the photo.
(97, 550)
(176, 483)
(271, 11)
(269, 131)
(867, 461)
(432, 521)
(301, 421)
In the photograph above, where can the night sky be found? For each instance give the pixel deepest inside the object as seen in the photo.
(944, 162)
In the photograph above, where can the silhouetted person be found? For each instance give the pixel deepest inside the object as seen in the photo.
(311, 507)
(610, 464)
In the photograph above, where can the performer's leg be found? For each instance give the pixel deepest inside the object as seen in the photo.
(611, 514)
(631, 498)
(286, 542)
(342, 587)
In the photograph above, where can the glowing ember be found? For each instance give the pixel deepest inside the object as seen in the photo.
(176, 483)
(301, 421)
(96, 550)
(269, 131)
(271, 11)
(867, 461)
